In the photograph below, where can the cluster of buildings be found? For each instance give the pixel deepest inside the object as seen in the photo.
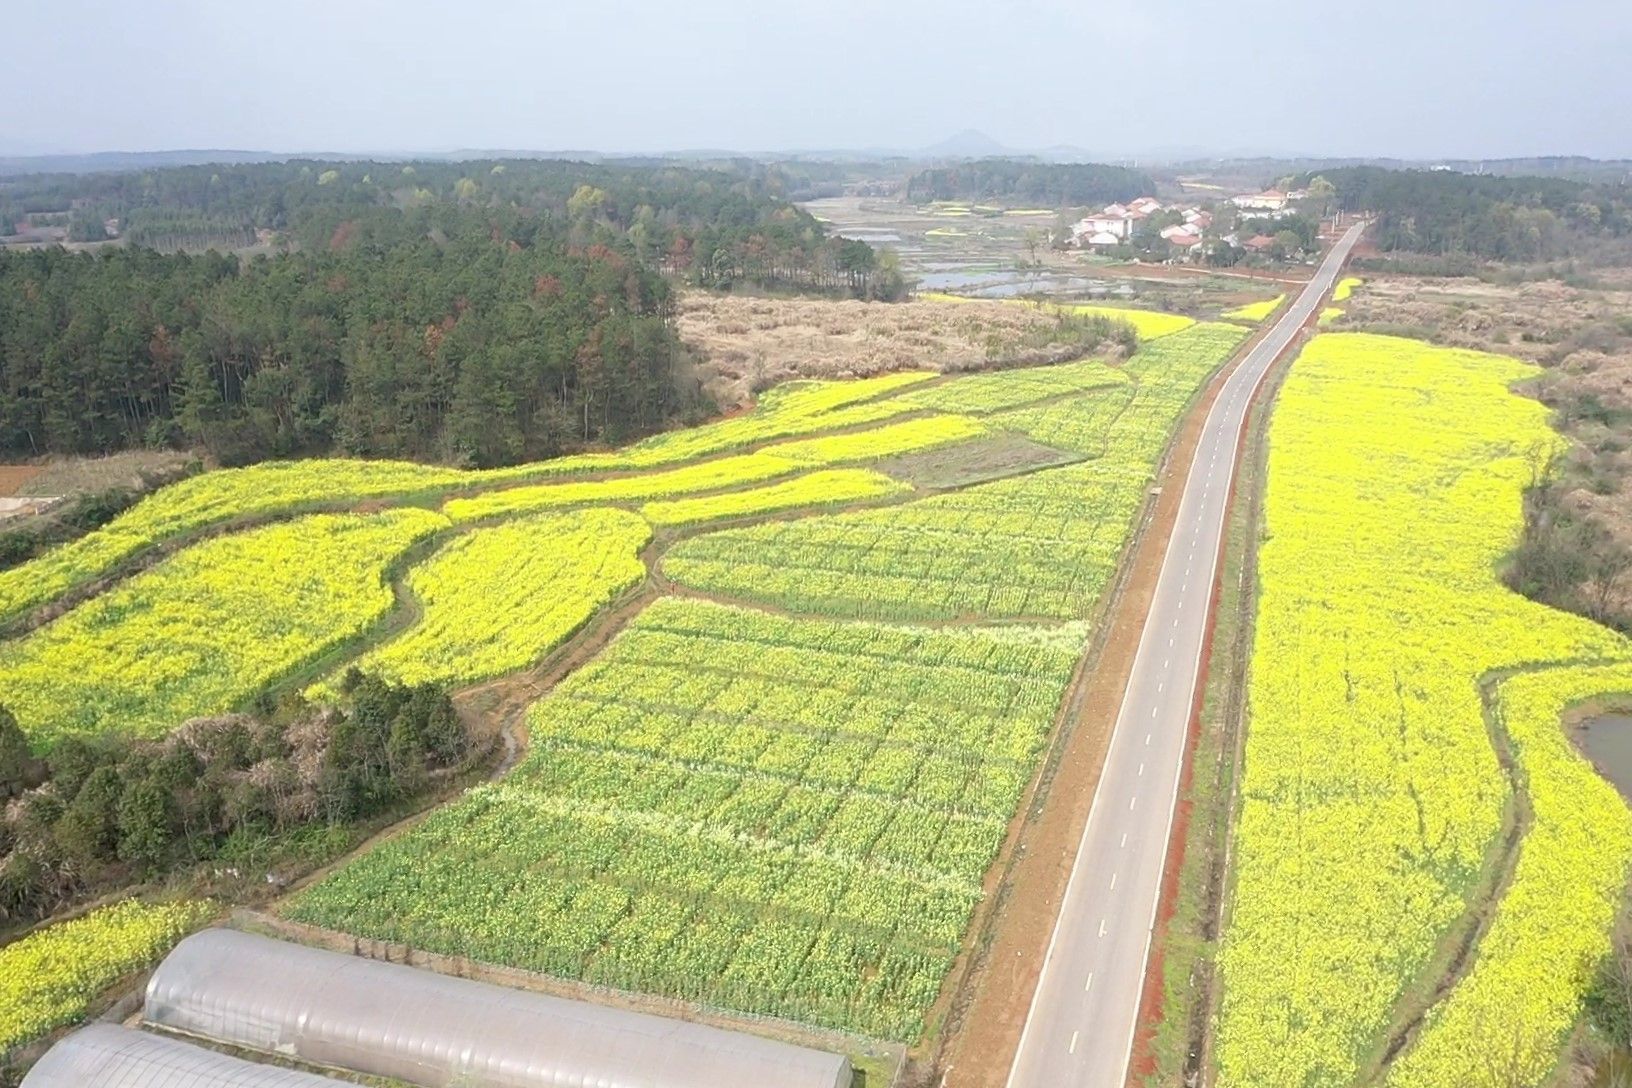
(1117, 224)
(1185, 227)
(1269, 204)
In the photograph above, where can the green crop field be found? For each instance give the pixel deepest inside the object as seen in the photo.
(1042, 545)
(776, 815)
(790, 814)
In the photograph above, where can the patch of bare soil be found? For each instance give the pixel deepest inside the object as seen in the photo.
(965, 463)
(13, 478)
(746, 344)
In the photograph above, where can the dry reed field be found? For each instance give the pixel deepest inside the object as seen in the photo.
(747, 344)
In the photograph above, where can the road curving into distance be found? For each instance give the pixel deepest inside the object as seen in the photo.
(1080, 1029)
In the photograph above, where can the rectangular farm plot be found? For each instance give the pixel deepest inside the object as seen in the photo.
(831, 487)
(1042, 545)
(980, 460)
(995, 391)
(779, 816)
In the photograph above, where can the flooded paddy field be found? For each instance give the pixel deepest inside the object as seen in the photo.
(989, 252)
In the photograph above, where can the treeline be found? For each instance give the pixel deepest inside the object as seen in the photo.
(717, 226)
(1049, 185)
(481, 313)
(444, 333)
(1515, 219)
(98, 813)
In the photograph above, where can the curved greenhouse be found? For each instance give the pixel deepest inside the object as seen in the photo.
(109, 1056)
(346, 1012)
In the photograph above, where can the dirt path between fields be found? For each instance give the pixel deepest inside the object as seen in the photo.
(992, 985)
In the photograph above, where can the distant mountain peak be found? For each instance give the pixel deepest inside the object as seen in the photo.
(968, 144)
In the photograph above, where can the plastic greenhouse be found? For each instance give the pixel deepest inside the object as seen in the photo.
(383, 1019)
(109, 1056)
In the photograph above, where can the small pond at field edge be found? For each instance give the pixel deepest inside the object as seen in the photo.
(1607, 741)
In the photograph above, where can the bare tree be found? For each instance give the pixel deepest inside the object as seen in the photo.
(1607, 566)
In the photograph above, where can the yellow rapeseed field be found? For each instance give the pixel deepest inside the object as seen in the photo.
(50, 977)
(283, 487)
(499, 599)
(1255, 311)
(214, 497)
(205, 629)
(909, 436)
(724, 472)
(1372, 795)
(1516, 1007)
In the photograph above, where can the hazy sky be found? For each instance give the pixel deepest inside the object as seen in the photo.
(1413, 78)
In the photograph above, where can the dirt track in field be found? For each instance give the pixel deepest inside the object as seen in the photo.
(987, 1011)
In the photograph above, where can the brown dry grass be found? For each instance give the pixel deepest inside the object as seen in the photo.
(134, 469)
(1542, 322)
(747, 344)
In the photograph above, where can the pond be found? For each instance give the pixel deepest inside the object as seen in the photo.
(871, 235)
(1093, 289)
(1607, 741)
(993, 284)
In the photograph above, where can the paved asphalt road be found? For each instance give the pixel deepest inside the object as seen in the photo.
(1079, 1032)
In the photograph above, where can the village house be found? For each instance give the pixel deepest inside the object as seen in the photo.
(1105, 229)
(1185, 242)
(1116, 225)
(1270, 200)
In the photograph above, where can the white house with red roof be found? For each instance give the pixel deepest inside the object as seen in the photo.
(1270, 200)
